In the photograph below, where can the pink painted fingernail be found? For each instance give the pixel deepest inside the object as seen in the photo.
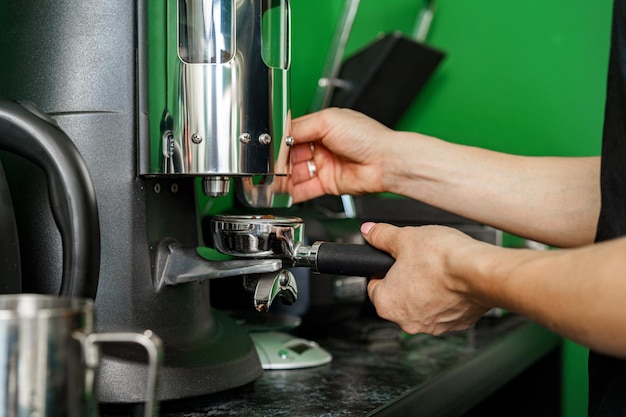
(366, 227)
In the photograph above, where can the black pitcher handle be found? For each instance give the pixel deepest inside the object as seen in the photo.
(31, 134)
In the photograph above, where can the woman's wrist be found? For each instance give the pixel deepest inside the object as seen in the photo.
(409, 164)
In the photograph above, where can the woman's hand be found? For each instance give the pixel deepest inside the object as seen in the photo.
(420, 292)
(337, 151)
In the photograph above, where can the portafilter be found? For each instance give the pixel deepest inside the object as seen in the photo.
(268, 236)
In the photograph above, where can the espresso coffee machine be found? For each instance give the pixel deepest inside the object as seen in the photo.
(165, 100)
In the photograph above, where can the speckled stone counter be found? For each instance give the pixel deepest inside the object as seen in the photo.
(376, 370)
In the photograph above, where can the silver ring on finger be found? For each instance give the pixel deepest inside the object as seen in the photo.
(311, 167)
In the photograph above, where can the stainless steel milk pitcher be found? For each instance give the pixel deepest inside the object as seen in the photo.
(49, 357)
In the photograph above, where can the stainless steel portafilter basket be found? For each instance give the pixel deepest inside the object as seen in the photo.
(267, 236)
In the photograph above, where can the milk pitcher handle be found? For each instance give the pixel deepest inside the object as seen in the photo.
(149, 341)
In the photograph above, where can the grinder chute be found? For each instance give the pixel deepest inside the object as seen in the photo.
(227, 107)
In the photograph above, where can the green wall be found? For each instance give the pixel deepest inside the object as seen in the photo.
(524, 77)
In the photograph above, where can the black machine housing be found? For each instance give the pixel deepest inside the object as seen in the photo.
(84, 63)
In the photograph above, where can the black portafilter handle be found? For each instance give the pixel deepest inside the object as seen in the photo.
(348, 259)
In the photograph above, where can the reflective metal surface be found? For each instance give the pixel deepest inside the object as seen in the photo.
(227, 106)
(178, 264)
(270, 286)
(262, 236)
(49, 355)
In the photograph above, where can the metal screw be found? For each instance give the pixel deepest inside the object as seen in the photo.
(265, 139)
(289, 141)
(245, 138)
(157, 188)
(168, 144)
(174, 188)
(196, 138)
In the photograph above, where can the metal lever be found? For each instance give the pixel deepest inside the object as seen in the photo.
(272, 285)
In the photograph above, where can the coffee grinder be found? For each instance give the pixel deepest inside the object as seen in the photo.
(164, 99)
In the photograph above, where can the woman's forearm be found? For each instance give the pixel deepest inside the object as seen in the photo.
(578, 293)
(548, 199)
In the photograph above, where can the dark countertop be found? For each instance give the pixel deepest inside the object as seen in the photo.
(377, 370)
